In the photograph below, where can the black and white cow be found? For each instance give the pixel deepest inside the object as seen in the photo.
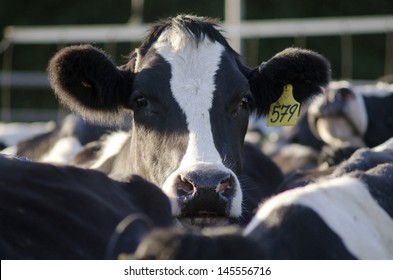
(61, 143)
(343, 218)
(191, 97)
(348, 215)
(350, 115)
(52, 212)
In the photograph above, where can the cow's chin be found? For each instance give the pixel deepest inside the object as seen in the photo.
(200, 222)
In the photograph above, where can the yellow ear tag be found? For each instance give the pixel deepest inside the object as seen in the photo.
(285, 111)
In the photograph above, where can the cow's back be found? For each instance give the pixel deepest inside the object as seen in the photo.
(51, 212)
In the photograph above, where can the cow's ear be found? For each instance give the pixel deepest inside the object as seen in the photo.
(87, 82)
(307, 72)
(127, 236)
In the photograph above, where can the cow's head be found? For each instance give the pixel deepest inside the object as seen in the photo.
(191, 98)
(339, 117)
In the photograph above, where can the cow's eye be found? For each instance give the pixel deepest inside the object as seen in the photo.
(245, 102)
(140, 102)
(242, 106)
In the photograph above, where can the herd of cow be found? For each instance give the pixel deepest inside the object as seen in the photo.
(153, 162)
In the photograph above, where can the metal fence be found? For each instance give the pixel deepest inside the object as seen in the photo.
(236, 30)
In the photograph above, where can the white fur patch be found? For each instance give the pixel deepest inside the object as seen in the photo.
(358, 113)
(111, 146)
(62, 151)
(387, 145)
(192, 84)
(9, 151)
(347, 207)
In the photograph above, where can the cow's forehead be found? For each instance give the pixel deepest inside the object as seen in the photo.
(195, 64)
(193, 69)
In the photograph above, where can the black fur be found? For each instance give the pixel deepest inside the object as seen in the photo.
(307, 71)
(127, 236)
(220, 244)
(380, 119)
(362, 160)
(334, 155)
(259, 180)
(51, 212)
(86, 80)
(298, 232)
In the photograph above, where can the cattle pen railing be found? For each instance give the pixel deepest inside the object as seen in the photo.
(236, 31)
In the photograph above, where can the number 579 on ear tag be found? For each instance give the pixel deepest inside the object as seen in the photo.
(285, 111)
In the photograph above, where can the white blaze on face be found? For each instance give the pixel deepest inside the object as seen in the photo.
(192, 85)
(348, 209)
(193, 69)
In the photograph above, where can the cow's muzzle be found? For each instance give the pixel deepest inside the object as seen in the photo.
(205, 195)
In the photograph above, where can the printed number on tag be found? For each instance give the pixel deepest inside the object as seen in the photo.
(285, 111)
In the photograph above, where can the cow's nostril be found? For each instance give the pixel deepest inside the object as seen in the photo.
(223, 185)
(184, 188)
(225, 189)
(205, 192)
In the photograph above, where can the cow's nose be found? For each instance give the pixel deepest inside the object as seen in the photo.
(205, 191)
(189, 183)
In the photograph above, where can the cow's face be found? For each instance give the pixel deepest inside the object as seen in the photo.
(339, 118)
(191, 104)
(191, 98)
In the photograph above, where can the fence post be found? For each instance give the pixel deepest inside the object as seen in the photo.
(6, 84)
(136, 14)
(233, 16)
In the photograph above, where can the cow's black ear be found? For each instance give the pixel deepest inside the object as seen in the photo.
(87, 82)
(307, 71)
(127, 236)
